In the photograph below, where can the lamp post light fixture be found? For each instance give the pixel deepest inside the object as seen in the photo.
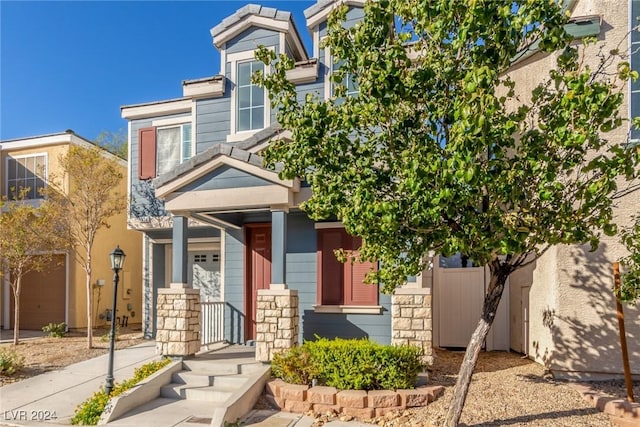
(117, 261)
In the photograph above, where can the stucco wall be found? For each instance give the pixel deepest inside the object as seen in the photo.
(106, 241)
(573, 323)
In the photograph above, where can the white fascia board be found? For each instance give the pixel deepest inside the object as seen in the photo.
(37, 142)
(211, 88)
(156, 109)
(203, 169)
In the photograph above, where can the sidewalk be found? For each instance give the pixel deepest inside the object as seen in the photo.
(52, 397)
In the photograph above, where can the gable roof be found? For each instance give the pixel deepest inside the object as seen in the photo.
(243, 151)
(66, 137)
(259, 16)
(318, 12)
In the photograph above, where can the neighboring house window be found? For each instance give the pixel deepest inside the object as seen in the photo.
(635, 65)
(342, 283)
(250, 98)
(161, 149)
(26, 172)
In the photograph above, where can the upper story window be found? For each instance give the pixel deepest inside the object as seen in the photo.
(162, 148)
(174, 146)
(27, 173)
(349, 80)
(250, 98)
(250, 110)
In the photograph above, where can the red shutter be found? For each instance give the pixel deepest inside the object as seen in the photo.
(147, 153)
(356, 292)
(330, 284)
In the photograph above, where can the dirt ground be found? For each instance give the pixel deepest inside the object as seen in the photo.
(47, 354)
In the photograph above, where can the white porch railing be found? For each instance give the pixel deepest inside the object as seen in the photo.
(212, 326)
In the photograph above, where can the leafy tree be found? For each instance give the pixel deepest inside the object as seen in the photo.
(630, 283)
(441, 151)
(86, 192)
(114, 142)
(29, 235)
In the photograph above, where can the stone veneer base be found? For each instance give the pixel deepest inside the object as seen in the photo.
(358, 403)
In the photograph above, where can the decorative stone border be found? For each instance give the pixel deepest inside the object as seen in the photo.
(621, 412)
(356, 403)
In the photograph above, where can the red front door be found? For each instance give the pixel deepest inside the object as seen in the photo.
(258, 271)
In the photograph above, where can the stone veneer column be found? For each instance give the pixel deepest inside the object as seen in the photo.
(179, 318)
(277, 321)
(411, 320)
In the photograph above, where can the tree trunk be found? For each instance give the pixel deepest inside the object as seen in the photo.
(89, 301)
(499, 274)
(16, 311)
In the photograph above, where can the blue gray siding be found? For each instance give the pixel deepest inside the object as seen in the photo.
(213, 120)
(252, 38)
(354, 15)
(302, 275)
(143, 201)
(225, 177)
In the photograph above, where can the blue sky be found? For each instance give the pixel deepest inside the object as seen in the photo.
(73, 64)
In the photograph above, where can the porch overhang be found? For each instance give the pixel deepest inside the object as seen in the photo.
(230, 181)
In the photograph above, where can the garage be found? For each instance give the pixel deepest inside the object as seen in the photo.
(43, 297)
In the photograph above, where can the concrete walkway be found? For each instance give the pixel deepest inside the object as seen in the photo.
(51, 398)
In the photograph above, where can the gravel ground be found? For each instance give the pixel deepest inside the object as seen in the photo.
(506, 390)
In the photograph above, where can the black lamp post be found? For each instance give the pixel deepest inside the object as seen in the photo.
(117, 261)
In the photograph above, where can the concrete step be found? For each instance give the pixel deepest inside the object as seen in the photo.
(202, 393)
(192, 378)
(206, 367)
(212, 389)
(167, 412)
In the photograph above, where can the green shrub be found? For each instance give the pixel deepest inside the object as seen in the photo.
(294, 366)
(10, 361)
(350, 364)
(88, 412)
(55, 330)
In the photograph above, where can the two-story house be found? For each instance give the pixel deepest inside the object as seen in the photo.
(58, 294)
(214, 218)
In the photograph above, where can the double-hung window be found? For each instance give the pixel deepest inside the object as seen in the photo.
(342, 284)
(162, 148)
(349, 80)
(250, 98)
(28, 174)
(250, 111)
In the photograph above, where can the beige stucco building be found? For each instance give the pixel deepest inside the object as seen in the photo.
(562, 310)
(59, 294)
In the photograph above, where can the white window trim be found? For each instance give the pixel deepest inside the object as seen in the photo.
(328, 68)
(332, 224)
(349, 309)
(176, 122)
(328, 61)
(233, 59)
(23, 156)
